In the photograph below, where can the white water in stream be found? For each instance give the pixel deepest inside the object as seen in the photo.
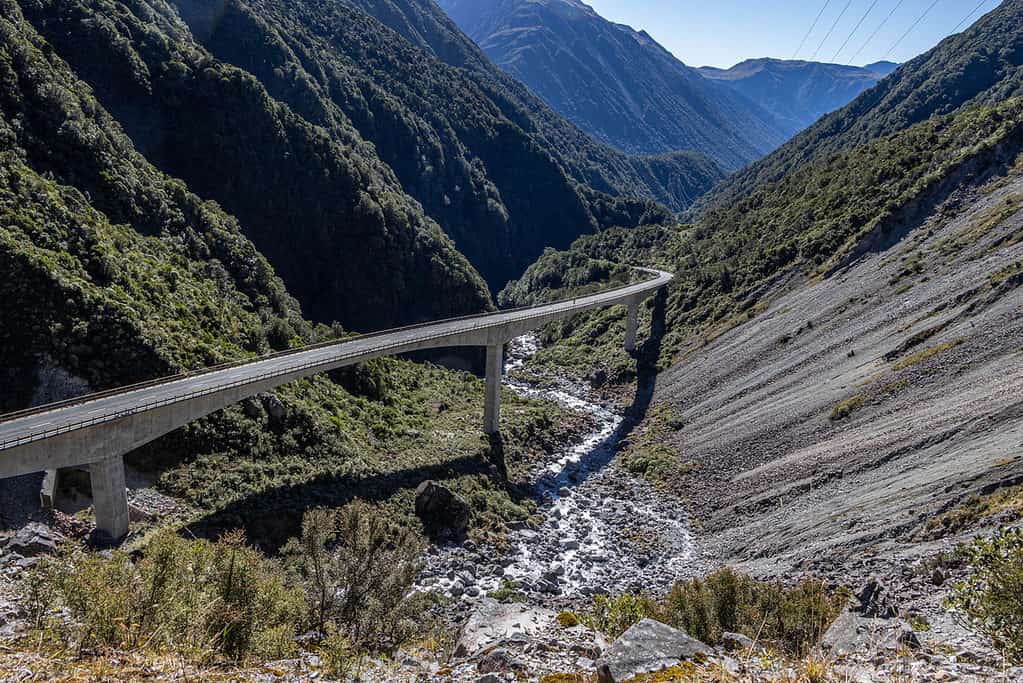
(605, 531)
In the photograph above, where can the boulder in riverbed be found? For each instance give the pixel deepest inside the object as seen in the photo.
(442, 512)
(648, 647)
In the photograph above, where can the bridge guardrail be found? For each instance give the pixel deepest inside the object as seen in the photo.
(483, 319)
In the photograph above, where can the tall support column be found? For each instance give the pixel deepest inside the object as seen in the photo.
(492, 407)
(631, 324)
(109, 496)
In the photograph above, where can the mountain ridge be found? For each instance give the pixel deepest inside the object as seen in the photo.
(616, 83)
(796, 92)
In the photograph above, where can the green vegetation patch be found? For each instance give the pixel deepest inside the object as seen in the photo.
(848, 407)
(646, 452)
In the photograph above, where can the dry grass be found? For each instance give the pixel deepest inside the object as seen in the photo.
(926, 354)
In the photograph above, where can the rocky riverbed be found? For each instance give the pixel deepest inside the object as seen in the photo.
(604, 530)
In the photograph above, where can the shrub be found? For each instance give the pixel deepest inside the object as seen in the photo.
(614, 616)
(848, 407)
(793, 619)
(990, 599)
(195, 597)
(356, 570)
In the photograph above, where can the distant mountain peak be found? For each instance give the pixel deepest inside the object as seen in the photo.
(615, 82)
(882, 67)
(797, 92)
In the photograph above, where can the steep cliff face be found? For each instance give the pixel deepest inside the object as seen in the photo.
(616, 83)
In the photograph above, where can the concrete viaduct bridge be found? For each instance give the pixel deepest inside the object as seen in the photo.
(98, 430)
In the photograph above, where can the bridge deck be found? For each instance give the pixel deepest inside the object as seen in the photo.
(44, 422)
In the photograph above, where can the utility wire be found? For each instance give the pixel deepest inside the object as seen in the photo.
(910, 29)
(969, 16)
(857, 28)
(812, 27)
(868, 41)
(833, 27)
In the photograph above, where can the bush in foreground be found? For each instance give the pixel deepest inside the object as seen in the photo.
(791, 619)
(991, 598)
(356, 570)
(197, 598)
(348, 578)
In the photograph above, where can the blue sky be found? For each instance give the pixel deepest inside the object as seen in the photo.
(724, 32)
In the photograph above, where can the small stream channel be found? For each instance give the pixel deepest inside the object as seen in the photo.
(605, 530)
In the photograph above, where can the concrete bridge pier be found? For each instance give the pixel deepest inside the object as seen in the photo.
(631, 325)
(110, 496)
(492, 405)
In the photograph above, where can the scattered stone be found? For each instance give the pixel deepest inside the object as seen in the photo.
(492, 623)
(907, 638)
(874, 601)
(498, 661)
(647, 647)
(734, 642)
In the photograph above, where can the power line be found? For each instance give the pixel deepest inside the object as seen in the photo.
(833, 27)
(857, 28)
(852, 60)
(910, 29)
(968, 16)
(812, 27)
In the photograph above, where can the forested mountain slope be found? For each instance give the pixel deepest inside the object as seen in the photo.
(795, 92)
(289, 94)
(329, 215)
(616, 83)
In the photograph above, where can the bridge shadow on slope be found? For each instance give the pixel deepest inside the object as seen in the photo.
(272, 517)
(603, 452)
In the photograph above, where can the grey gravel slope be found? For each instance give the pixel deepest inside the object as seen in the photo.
(781, 483)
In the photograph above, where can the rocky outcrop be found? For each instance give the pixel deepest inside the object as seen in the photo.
(443, 513)
(648, 647)
(34, 540)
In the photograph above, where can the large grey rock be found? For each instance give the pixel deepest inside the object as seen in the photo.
(865, 636)
(492, 623)
(648, 647)
(33, 540)
(441, 511)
